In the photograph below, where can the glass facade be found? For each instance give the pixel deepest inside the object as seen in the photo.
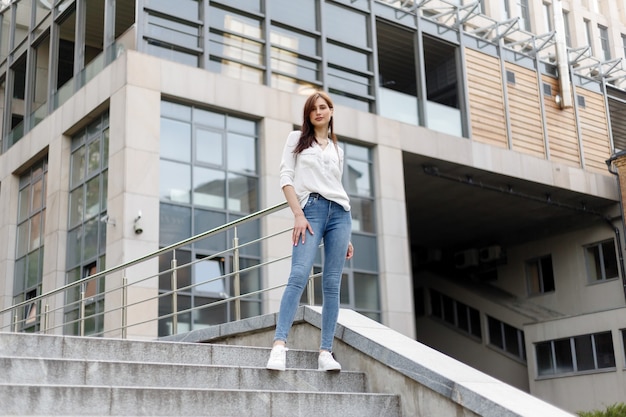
(87, 225)
(30, 244)
(47, 53)
(209, 176)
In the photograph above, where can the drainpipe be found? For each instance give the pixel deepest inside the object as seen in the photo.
(615, 164)
(562, 60)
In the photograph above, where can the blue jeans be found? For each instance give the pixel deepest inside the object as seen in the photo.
(333, 224)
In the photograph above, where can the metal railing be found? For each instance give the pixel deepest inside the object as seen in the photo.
(35, 313)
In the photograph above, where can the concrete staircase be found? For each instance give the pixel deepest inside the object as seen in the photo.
(46, 375)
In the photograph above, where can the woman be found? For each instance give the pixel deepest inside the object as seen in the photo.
(310, 177)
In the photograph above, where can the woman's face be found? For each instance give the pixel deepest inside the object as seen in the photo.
(321, 113)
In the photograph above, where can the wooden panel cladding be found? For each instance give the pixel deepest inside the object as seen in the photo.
(525, 112)
(561, 126)
(594, 131)
(486, 102)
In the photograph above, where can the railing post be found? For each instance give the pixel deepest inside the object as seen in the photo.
(15, 320)
(81, 315)
(124, 307)
(174, 264)
(46, 314)
(237, 277)
(311, 288)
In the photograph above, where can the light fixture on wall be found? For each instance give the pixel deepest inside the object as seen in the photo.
(137, 224)
(559, 101)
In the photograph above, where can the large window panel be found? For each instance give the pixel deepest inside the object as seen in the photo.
(346, 24)
(86, 237)
(241, 153)
(224, 148)
(209, 187)
(292, 12)
(176, 139)
(29, 244)
(183, 9)
(175, 184)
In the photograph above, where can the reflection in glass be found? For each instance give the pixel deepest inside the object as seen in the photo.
(242, 193)
(175, 140)
(209, 147)
(209, 187)
(241, 153)
(175, 182)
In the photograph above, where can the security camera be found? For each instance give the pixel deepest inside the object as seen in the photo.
(137, 227)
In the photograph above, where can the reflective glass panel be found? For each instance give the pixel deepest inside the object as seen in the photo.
(76, 207)
(295, 41)
(348, 58)
(241, 153)
(24, 204)
(209, 148)
(78, 167)
(301, 14)
(93, 198)
(175, 140)
(242, 193)
(173, 32)
(366, 291)
(346, 25)
(208, 118)
(209, 187)
(175, 182)
(184, 9)
(362, 211)
(358, 176)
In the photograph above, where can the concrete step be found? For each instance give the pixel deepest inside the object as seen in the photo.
(34, 371)
(42, 400)
(89, 348)
(44, 375)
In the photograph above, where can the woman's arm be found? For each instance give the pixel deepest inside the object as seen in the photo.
(301, 224)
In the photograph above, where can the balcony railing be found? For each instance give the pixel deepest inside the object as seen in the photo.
(47, 313)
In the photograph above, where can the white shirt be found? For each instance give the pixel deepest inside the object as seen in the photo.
(314, 170)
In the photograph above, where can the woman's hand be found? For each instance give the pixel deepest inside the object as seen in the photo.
(300, 227)
(350, 252)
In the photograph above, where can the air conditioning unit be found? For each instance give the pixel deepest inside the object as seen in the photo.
(490, 253)
(466, 258)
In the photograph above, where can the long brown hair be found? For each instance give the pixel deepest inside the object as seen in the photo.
(308, 131)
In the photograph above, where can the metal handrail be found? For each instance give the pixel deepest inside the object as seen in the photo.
(44, 310)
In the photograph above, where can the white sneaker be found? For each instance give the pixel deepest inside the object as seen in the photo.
(278, 358)
(326, 362)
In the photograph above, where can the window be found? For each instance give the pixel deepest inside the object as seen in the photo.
(601, 260)
(587, 26)
(524, 14)
(568, 36)
(547, 16)
(624, 44)
(30, 244)
(359, 286)
(464, 318)
(86, 236)
(510, 77)
(209, 177)
(295, 59)
(575, 354)
(547, 90)
(540, 275)
(604, 42)
(506, 338)
(235, 45)
(397, 92)
(349, 72)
